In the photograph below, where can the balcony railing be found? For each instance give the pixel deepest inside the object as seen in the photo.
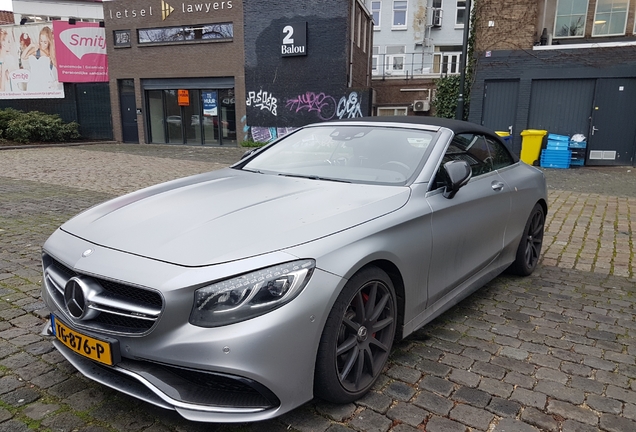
(416, 65)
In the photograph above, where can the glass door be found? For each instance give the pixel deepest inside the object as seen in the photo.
(192, 118)
(156, 117)
(173, 117)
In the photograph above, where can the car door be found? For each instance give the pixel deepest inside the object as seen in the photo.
(468, 229)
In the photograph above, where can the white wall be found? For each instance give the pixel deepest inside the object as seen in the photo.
(63, 9)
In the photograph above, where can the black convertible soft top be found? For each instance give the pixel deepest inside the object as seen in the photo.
(457, 126)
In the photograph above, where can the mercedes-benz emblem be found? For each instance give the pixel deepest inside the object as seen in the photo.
(78, 293)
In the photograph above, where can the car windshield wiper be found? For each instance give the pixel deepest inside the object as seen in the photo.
(252, 170)
(314, 177)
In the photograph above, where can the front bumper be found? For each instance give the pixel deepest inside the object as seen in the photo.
(196, 395)
(248, 371)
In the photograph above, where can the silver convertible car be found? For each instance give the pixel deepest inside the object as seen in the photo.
(240, 294)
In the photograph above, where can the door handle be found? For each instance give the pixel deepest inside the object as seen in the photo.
(594, 130)
(497, 185)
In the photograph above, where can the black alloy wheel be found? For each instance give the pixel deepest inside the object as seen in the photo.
(357, 338)
(529, 248)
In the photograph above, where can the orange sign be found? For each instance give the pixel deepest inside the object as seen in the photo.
(183, 97)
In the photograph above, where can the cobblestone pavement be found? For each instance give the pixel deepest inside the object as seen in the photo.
(551, 352)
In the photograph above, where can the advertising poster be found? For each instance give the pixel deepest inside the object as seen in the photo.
(28, 63)
(210, 103)
(81, 52)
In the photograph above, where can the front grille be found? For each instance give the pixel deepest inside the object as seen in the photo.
(123, 309)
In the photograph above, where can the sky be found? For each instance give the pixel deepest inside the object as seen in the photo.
(6, 5)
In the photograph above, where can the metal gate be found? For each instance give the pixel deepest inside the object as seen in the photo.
(613, 130)
(561, 106)
(500, 105)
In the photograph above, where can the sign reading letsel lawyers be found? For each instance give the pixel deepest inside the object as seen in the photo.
(294, 39)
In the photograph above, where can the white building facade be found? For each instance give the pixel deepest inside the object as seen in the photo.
(40, 11)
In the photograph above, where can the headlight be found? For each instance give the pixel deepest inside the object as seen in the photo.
(249, 295)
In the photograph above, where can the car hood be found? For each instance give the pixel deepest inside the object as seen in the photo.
(229, 214)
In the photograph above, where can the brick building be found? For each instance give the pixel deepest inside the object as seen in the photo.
(217, 73)
(568, 67)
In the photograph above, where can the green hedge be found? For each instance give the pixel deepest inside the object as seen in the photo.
(35, 126)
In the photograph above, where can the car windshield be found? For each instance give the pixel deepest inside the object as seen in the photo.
(354, 154)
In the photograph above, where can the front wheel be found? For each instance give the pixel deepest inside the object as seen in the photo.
(530, 245)
(357, 338)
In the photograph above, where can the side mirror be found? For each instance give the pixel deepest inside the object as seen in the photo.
(458, 173)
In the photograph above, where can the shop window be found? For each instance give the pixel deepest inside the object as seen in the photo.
(570, 18)
(610, 17)
(183, 34)
(122, 38)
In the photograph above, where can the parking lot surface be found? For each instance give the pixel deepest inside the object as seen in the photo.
(552, 352)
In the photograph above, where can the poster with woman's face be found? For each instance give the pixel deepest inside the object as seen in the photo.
(28, 63)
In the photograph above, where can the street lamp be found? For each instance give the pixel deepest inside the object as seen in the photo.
(459, 112)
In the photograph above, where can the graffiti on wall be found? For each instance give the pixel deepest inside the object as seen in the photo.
(269, 116)
(263, 100)
(349, 107)
(323, 105)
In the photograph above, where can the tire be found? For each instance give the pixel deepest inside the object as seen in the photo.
(357, 340)
(530, 245)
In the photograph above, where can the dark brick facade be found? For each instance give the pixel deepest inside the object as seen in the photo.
(504, 52)
(331, 81)
(403, 93)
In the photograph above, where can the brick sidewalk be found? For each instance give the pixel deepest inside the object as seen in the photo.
(554, 351)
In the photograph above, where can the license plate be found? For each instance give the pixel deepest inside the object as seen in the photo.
(83, 345)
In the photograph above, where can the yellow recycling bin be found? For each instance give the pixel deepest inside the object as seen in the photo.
(531, 145)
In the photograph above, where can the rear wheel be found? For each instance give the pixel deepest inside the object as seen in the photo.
(530, 245)
(357, 338)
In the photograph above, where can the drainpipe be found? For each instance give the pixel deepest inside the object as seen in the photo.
(459, 112)
(353, 24)
(545, 5)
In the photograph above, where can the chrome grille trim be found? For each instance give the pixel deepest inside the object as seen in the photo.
(124, 309)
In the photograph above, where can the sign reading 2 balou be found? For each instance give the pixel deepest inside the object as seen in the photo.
(294, 39)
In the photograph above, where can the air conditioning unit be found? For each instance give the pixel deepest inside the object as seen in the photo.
(437, 18)
(421, 105)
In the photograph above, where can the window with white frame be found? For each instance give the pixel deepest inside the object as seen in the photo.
(437, 4)
(365, 37)
(376, 7)
(399, 14)
(393, 111)
(570, 18)
(446, 62)
(395, 59)
(375, 61)
(610, 17)
(358, 25)
(461, 13)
